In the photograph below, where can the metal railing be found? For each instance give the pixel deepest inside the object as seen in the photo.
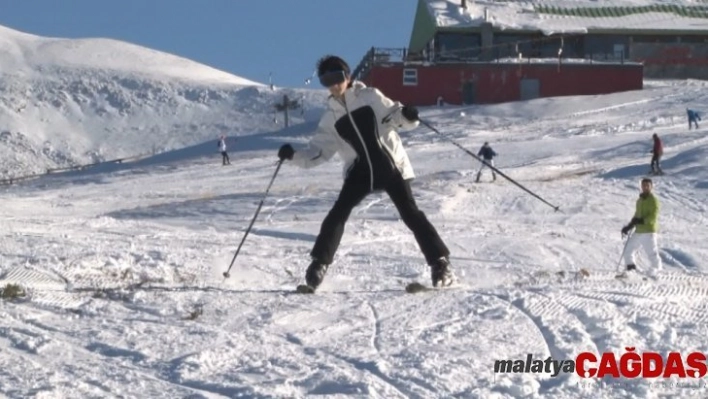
(378, 56)
(6, 181)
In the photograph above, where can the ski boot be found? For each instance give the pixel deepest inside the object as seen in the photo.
(627, 270)
(440, 273)
(313, 277)
(315, 273)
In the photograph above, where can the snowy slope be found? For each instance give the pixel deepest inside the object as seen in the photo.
(75, 101)
(127, 299)
(26, 54)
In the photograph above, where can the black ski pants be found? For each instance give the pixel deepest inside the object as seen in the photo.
(655, 159)
(399, 191)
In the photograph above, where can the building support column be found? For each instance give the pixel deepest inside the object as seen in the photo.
(488, 52)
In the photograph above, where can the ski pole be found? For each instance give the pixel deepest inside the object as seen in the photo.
(619, 263)
(248, 229)
(429, 126)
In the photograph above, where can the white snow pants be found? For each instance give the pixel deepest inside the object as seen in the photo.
(646, 241)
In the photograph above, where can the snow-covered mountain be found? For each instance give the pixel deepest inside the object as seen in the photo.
(73, 101)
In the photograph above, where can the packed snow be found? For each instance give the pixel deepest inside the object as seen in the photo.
(122, 263)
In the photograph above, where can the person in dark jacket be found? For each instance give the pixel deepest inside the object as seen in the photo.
(693, 118)
(487, 154)
(657, 151)
(360, 125)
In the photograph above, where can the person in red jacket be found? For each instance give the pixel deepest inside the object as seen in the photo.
(657, 152)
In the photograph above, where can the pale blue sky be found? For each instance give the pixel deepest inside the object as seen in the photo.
(249, 38)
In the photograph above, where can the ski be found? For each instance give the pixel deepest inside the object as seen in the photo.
(304, 289)
(537, 278)
(634, 276)
(416, 287)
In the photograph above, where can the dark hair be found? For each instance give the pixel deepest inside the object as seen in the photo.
(332, 63)
(647, 180)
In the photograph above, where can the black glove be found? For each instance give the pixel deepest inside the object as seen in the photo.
(410, 112)
(286, 151)
(626, 229)
(636, 221)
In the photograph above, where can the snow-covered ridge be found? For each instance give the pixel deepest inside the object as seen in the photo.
(75, 101)
(29, 55)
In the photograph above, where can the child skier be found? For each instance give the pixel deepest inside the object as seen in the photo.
(657, 151)
(222, 148)
(488, 154)
(693, 118)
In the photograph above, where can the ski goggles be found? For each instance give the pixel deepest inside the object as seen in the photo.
(329, 79)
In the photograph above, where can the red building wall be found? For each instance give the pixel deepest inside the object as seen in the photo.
(495, 83)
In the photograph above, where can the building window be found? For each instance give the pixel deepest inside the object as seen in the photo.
(410, 77)
(457, 46)
(693, 39)
(606, 47)
(655, 39)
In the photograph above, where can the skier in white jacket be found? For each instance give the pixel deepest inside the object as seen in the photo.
(359, 124)
(222, 148)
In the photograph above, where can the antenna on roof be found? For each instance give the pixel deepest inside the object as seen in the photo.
(560, 52)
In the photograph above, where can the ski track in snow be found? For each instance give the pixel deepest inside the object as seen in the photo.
(126, 298)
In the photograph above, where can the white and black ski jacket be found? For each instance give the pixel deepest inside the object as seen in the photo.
(362, 129)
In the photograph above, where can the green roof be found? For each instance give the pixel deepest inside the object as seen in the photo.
(609, 12)
(424, 28)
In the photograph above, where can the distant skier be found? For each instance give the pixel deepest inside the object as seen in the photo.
(360, 125)
(657, 151)
(645, 235)
(222, 147)
(693, 118)
(487, 154)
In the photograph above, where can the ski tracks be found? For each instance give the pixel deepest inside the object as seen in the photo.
(79, 361)
(372, 363)
(563, 333)
(667, 315)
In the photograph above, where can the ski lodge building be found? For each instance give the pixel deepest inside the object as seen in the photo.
(491, 51)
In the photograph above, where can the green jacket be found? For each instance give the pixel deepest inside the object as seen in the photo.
(647, 209)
